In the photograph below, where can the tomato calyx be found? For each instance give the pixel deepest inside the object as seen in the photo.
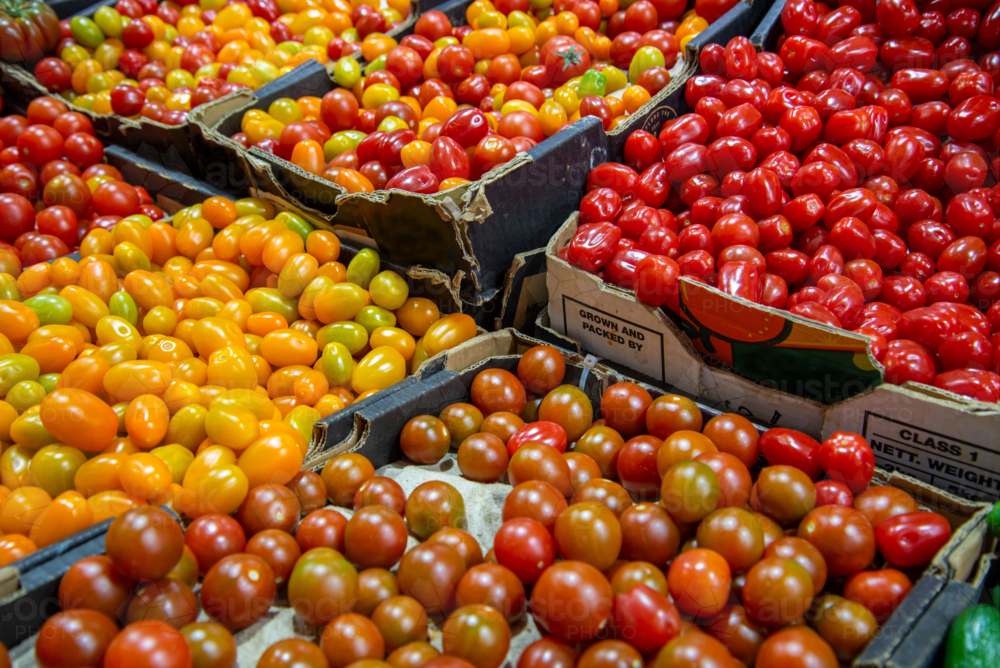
(572, 56)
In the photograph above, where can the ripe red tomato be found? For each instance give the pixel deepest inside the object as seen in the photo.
(564, 59)
(148, 644)
(912, 539)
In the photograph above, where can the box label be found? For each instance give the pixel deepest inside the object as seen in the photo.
(615, 338)
(970, 470)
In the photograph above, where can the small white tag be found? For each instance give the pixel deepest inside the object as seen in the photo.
(589, 362)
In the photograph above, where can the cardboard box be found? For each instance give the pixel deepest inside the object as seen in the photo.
(473, 232)
(765, 36)
(804, 375)
(470, 233)
(374, 433)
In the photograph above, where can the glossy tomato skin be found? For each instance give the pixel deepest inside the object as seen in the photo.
(238, 590)
(831, 493)
(645, 618)
(93, 584)
(526, 547)
(912, 539)
(699, 582)
(847, 458)
(74, 638)
(144, 543)
(579, 583)
(881, 591)
(797, 646)
(791, 447)
(842, 535)
(148, 644)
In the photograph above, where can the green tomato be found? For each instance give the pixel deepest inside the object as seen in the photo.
(143, 220)
(356, 136)
(391, 123)
(337, 364)
(130, 257)
(350, 35)
(295, 223)
(614, 79)
(122, 305)
(373, 317)
(15, 367)
(271, 299)
(86, 32)
(363, 267)
(389, 290)
(8, 288)
(375, 65)
(48, 381)
(285, 110)
(347, 72)
(109, 21)
(645, 58)
(54, 468)
(25, 394)
(520, 19)
(51, 309)
(993, 520)
(347, 332)
(592, 83)
(302, 418)
(337, 144)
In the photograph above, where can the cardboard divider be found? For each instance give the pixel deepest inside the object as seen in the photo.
(765, 36)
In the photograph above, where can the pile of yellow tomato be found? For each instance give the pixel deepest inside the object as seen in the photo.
(183, 363)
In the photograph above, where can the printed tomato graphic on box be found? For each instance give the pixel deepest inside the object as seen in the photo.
(770, 347)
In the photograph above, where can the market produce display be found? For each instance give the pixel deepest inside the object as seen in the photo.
(153, 60)
(700, 574)
(158, 370)
(450, 103)
(846, 179)
(227, 415)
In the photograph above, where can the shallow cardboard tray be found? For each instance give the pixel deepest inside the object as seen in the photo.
(471, 232)
(374, 433)
(819, 379)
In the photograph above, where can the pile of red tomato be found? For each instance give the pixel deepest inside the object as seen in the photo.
(650, 529)
(848, 179)
(450, 103)
(54, 185)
